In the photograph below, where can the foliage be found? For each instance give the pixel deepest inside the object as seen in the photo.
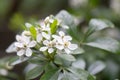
(53, 53)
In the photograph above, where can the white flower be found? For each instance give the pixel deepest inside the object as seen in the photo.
(65, 26)
(28, 25)
(24, 45)
(44, 27)
(49, 19)
(63, 42)
(49, 45)
(41, 32)
(46, 36)
(39, 37)
(62, 37)
(68, 47)
(26, 33)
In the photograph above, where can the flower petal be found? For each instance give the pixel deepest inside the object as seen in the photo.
(26, 33)
(11, 48)
(39, 38)
(43, 48)
(17, 44)
(59, 46)
(45, 42)
(67, 50)
(25, 39)
(61, 33)
(67, 38)
(73, 46)
(58, 38)
(28, 25)
(32, 44)
(55, 37)
(45, 35)
(50, 50)
(28, 52)
(18, 38)
(65, 26)
(21, 52)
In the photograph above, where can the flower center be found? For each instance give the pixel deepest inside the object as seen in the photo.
(66, 44)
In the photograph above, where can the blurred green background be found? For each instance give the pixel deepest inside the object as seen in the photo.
(14, 13)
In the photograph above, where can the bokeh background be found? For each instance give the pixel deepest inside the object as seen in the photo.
(14, 13)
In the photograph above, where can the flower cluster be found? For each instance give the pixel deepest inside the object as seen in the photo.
(46, 35)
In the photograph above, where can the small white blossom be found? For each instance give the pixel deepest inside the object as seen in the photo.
(44, 26)
(62, 37)
(26, 33)
(49, 45)
(41, 31)
(49, 19)
(28, 25)
(63, 42)
(68, 47)
(24, 45)
(39, 37)
(65, 26)
(46, 36)
(48, 42)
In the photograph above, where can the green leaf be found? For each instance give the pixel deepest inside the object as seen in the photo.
(99, 24)
(50, 66)
(17, 60)
(52, 74)
(68, 20)
(38, 59)
(68, 76)
(96, 67)
(78, 51)
(35, 72)
(33, 31)
(81, 74)
(5, 62)
(79, 63)
(90, 77)
(107, 44)
(67, 57)
(64, 59)
(54, 26)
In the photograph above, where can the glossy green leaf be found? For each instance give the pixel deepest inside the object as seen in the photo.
(54, 26)
(96, 67)
(18, 61)
(79, 63)
(67, 57)
(90, 77)
(52, 74)
(98, 24)
(78, 51)
(107, 44)
(81, 74)
(69, 76)
(68, 20)
(35, 72)
(64, 59)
